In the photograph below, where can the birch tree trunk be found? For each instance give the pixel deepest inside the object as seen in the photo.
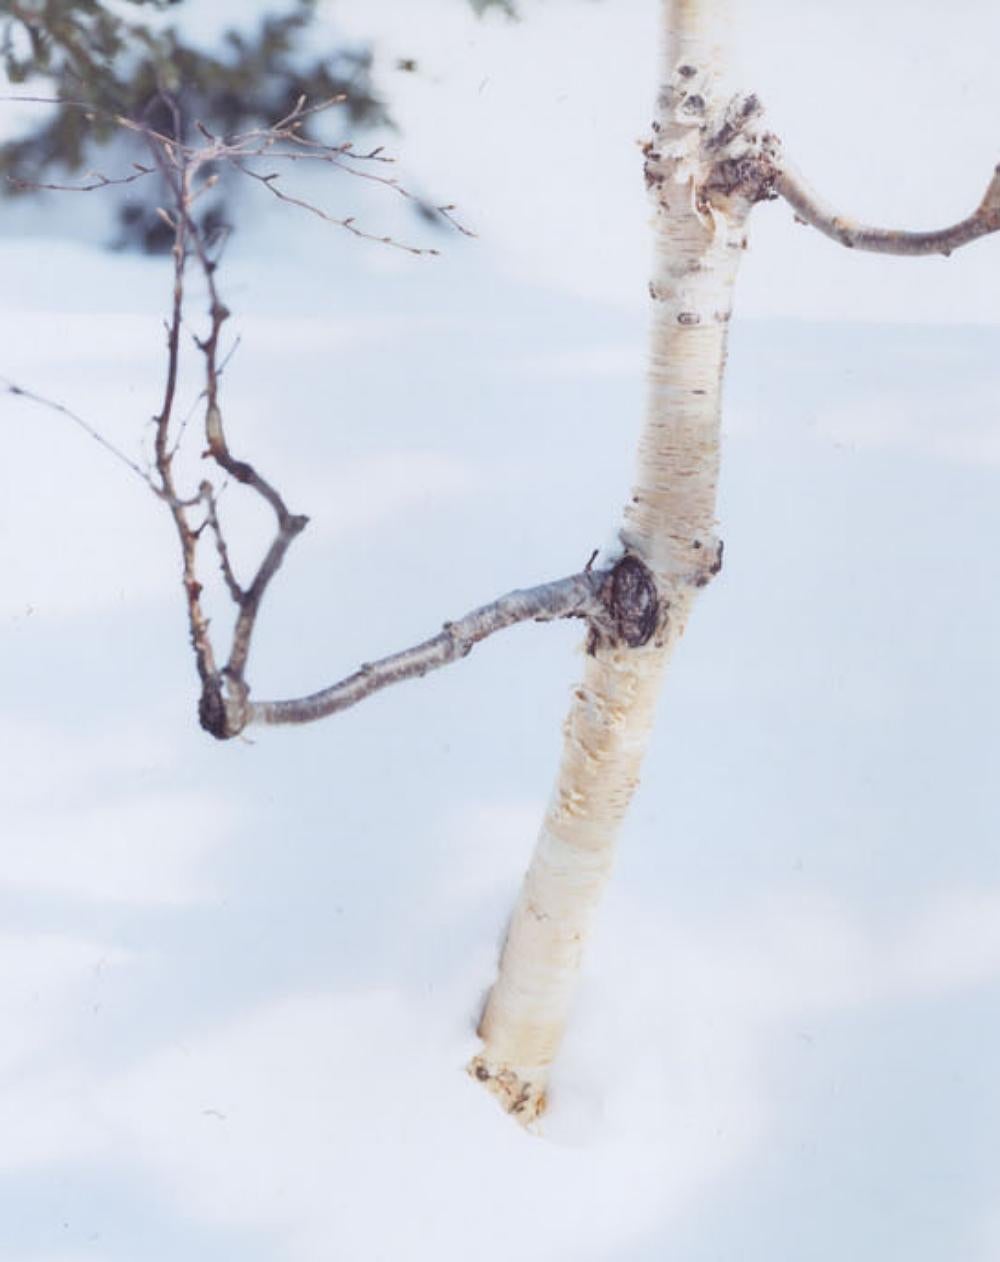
(700, 142)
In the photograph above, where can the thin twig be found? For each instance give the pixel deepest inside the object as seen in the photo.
(218, 716)
(185, 421)
(188, 416)
(270, 183)
(303, 110)
(97, 180)
(319, 148)
(172, 166)
(225, 564)
(235, 151)
(11, 388)
(446, 213)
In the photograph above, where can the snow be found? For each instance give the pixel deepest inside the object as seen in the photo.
(238, 984)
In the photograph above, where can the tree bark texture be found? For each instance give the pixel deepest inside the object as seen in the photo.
(700, 210)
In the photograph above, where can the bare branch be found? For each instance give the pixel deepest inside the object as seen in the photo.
(302, 110)
(225, 564)
(270, 182)
(96, 178)
(172, 165)
(447, 212)
(289, 526)
(187, 170)
(96, 435)
(172, 152)
(808, 207)
(579, 596)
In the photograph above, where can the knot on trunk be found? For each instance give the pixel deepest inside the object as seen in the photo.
(222, 707)
(750, 172)
(630, 606)
(718, 144)
(632, 601)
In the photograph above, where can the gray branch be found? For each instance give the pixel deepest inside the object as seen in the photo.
(808, 207)
(583, 595)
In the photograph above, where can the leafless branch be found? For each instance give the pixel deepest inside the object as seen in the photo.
(289, 525)
(302, 109)
(236, 592)
(236, 151)
(187, 170)
(447, 212)
(579, 596)
(808, 207)
(270, 182)
(96, 181)
(172, 166)
(11, 388)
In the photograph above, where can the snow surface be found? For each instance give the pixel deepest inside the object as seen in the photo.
(238, 983)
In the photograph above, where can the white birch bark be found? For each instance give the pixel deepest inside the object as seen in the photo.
(699, 222)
